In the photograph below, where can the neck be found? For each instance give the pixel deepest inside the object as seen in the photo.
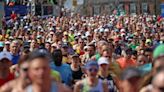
(103, 74)
(74, 67)
(92, 81)
(44, 87)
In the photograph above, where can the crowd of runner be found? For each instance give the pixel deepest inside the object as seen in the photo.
(75, 53)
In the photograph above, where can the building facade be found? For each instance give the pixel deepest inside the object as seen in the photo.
(94, 7)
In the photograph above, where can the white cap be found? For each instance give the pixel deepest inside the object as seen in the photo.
(103, 60)
(106, 30)
(7, 42)
(122, 30)
(101, 30)
(79, 34)
(6, 55)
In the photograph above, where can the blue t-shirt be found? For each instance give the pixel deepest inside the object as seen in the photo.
(65, 72)
(15, 59)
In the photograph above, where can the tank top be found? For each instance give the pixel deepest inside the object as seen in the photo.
(97, 88)
(53, 88)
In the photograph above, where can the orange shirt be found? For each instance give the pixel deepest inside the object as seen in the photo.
(123, 63)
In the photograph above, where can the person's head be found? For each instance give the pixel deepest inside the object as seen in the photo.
(100, 44)
(148, 52)
(81, 42)
(103, 63)
(1, 46)
(65, 34)
(23, 66)
(57, 57)
(128, 52)
(75, 60)
(130, 79)
(48, 46)
(107, 53)
(5, 62)
(39, 70)
(157, 64)
(14, 47)
(65, 48)
(7, 45)
(33, 44)
(141, 60)
(134, 54)
(91, 49)
(92, 69)
(158, 82)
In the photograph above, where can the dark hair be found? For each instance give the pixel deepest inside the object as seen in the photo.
(23, 59)
(148, 50)
(92, 45)
(57, 57)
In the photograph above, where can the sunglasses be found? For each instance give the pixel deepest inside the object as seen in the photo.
(141, 61)
(24, 69)
(93, 70)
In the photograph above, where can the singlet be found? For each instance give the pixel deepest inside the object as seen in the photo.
(97, 88)
(53, 88)
(110, 82)
(77, 74)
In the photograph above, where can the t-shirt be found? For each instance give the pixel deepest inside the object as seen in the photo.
(56, 75)
(9, 77)
(15, 59)
(123, 63)
(65, 72)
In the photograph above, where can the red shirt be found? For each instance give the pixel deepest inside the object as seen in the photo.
(3, 81)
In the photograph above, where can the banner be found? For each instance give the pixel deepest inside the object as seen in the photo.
(162, 9)
(19, 9)
(1, 13)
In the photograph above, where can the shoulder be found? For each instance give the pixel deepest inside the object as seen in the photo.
(8, 86)
(79, 84)
(63, 88)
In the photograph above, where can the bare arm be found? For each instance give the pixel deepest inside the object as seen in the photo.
(77, 86)
(7, 87)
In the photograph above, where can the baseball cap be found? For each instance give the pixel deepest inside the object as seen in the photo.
(159, 51)
(75, 55)
(64, 45)
(91, 63)
(1, 44)
(5, 55)
(7, 42)
(103, 60)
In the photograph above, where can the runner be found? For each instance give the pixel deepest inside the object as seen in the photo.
(91, 83)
